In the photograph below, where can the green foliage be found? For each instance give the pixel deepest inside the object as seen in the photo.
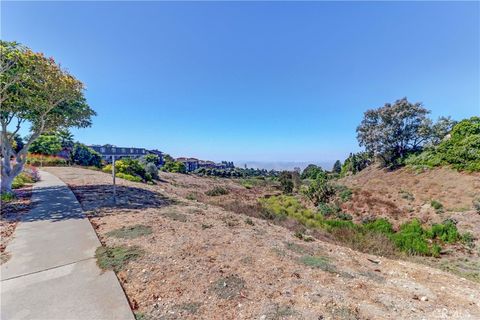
(468, 239)
(236, 172)
(412, 239)
(289, 206)
(318, 262)
(337, 167)
(85, 156)
(44, 160)
(130, 232)
(447, 232)
(461, 150)
(48, 144)
(174, 166)
(26, 177)
(344, 216)
(437, 206)
(320, 190)
(116, 258)
(152, 170)
(286, 182)
(327, 210)
(37, 93)
(7, 196)
(128, 177)
(393, 131)
(217, 191)
(344, 193)
(355, 162)
(311, 172)
(151, 158)
(379, 225)
(131, 167)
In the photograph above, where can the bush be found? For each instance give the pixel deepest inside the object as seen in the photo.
(152, 170)
(320, 191)
(129, 177)
(344, 193)
(461, 150)
(131, 167)
(28, 175)
(411, 238)
(437, 206)
(44, 160)
(327, 210)
(447, 232)
(217, 191)
(174, 167)
(379, 225)
(286, 182)
(85, 156)
(344, 216)
(7, 196)
(151, 158)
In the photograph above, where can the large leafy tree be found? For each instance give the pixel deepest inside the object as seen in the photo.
(393, 131)
(38, 93)
(48, 144)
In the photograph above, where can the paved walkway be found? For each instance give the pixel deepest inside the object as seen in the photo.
(52, 272)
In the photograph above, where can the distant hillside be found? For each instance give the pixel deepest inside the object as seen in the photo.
(283, 165)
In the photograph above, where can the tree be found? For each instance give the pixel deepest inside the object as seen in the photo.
(311, 172)
(337, 166)
(356, 162)
(320, 190)
(85, 156)
(35, 90)
(151, 158)
(393, 131)
(47, 144)
(286, 181)
(441, 129)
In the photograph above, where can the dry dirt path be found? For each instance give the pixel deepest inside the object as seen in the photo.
(52, 273)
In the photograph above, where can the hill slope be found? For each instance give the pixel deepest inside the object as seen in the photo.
(203, 262)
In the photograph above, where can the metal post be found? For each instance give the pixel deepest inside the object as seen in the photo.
(113, 175)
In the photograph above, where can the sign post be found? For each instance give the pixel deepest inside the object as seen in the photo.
(114, 186)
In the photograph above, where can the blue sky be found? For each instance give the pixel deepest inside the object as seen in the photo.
(267, 81)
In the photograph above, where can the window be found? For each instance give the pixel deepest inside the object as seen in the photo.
(102, 150)
(114, 150)
(131, 150)
(123, 150)
(143, 151)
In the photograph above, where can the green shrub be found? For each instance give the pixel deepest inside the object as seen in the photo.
(461, 150)
(217, 191)
(85, 156)
(344, 193)
(447, 232)
(320, 190)
(7, 196)
(411, 238)
(45, 160)
(344, 216)
(379, 225)
(174, 167)
(327, 210)
(468, 239)
(116, 258)
(437, 206)
(152, 170)
(128, 177)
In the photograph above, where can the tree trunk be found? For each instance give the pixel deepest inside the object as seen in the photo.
(9, 173)
(7, 180)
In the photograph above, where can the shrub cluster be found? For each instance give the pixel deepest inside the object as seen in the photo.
(461, 149)
(129, 169)
(411, 238)
(85, 156)
(217, 191)
(45, 160)
(28, 175)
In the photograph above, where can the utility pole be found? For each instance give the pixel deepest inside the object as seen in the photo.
(113, 175)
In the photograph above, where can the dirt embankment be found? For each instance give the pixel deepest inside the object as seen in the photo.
(203, 262)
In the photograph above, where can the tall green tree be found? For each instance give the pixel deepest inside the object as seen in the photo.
(48, 144)
(393, 131)
(337, 166)
(34, 91)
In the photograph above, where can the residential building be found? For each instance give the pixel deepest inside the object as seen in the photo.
(107, 151)
(191, 164)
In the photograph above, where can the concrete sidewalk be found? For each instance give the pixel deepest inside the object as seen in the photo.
(52, 272)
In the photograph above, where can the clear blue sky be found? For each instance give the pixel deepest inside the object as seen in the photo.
(269, 81)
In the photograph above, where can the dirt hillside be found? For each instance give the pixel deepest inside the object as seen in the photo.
(203, 262)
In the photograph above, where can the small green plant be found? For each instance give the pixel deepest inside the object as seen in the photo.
(128, 177)
(318, 262)
(468, 239)
(217, 191)
(8, 196)
(249, 222)
(327, 210)
(344, 193)
(379, 225)
(131, 232)
(344, 216)
(116, 258)
(406, 195)
(437, 206)
(191, 196)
